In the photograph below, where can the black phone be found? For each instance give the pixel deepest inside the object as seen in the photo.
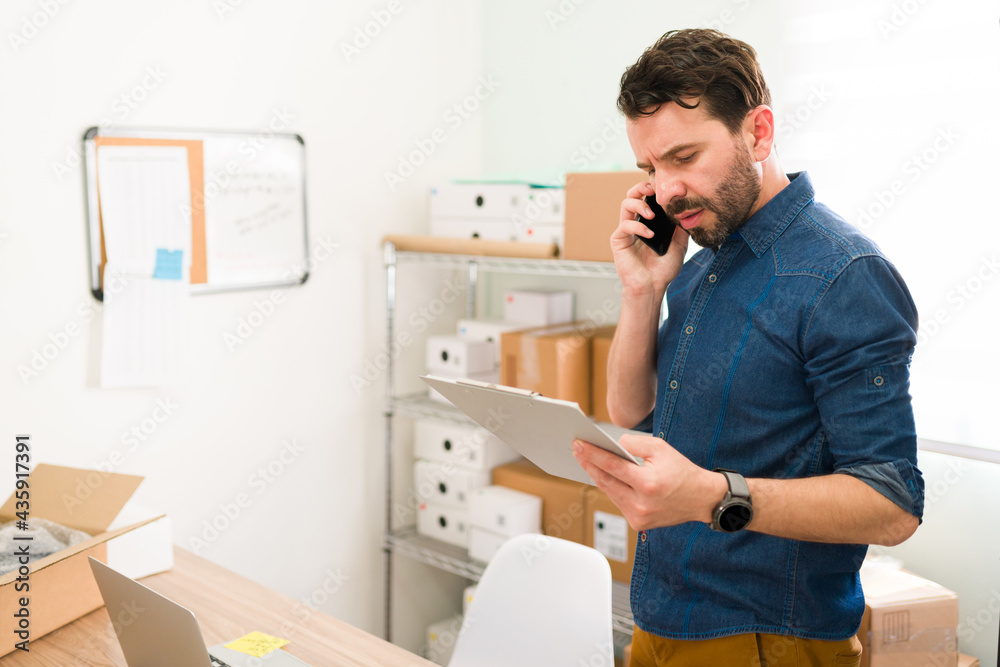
(662, 225)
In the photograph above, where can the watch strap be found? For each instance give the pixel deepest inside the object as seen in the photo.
(737, 485)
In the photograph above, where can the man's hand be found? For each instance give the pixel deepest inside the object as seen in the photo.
(666, 490)
(640, 269)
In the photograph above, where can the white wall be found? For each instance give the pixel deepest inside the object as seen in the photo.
(291, 381)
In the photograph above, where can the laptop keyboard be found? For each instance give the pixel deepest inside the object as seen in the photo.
(218, 663)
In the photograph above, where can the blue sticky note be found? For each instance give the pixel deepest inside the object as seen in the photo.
(168, 264)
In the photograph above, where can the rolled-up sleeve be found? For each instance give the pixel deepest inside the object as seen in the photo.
(858, 341)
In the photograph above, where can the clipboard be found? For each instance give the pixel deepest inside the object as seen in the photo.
(217, 161)
(540, 429)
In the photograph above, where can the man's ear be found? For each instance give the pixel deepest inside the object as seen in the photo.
(758, 132)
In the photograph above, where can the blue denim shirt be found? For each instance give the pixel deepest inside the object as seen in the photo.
(784, 354)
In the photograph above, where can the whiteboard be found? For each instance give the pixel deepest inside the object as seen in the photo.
(248, 210)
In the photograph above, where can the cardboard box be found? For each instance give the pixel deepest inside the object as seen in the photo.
(627, 654)
(61, 585)
(593, 208)
(538, 308)
(554, 361)
(908, 620)
(967, 661)
(600, 346)
(607, 531)
(459, 356)
(564, 506)
(460, 444)
(447, 484)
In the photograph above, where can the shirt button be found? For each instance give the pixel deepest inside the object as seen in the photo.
(673, 384)
(661, 434)
(712, 278)
(688, 330)
(642, 535)
(878, 381)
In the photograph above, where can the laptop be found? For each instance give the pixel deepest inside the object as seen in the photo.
(538, 428)
(154, 631)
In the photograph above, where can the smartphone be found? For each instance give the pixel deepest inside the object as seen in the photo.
(662, 225)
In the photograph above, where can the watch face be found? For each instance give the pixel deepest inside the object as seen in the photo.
(735, 517)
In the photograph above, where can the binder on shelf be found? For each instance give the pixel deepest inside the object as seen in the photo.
(245, 204)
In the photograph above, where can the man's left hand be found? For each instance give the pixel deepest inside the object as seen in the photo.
(666, 490)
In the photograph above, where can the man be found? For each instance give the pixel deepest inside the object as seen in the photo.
(783, 358)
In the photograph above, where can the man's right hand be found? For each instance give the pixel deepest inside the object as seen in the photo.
(641, 270)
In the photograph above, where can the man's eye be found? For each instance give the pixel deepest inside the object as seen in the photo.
(686, 158)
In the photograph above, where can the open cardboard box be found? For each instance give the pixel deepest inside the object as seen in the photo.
(61, 587)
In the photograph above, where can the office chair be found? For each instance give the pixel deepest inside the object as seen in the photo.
(541, 601)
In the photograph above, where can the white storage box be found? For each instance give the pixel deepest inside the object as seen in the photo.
(467, 595)
(504, 511)
(464, 445)
(459, 356)
(484, 544)
(488, 229)
(490, 330)
(479, 200)
(448, 524)
(446, 483)
(534, 308)
(442, 637)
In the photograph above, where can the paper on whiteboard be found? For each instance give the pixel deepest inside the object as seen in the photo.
(142, 329)
(145, 197)
(254, 209)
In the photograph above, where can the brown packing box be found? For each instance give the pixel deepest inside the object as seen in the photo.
(908, 621)
(967, 661)
(593, 208)
(600, 345)
(564, 506)
(554, 361)
(598, 501)
(61, 587)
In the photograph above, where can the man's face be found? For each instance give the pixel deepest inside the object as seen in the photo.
(703, 176)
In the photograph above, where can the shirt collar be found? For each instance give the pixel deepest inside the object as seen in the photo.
(763, 228)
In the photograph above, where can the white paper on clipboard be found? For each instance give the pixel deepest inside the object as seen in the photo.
(540, 429)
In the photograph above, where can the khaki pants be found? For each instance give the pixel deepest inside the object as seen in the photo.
(748, 650)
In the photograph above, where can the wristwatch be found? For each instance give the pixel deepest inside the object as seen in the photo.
(735, 511)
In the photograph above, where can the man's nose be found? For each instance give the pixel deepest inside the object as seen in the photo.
(668, 189)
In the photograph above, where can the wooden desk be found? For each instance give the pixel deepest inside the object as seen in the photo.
(227, 606)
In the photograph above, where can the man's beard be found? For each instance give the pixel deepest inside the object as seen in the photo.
(732, 202)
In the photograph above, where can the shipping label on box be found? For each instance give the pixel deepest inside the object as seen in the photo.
(609, 533)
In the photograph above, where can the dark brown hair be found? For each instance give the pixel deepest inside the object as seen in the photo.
(716, 69)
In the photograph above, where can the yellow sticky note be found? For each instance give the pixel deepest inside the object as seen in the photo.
(256, 644)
